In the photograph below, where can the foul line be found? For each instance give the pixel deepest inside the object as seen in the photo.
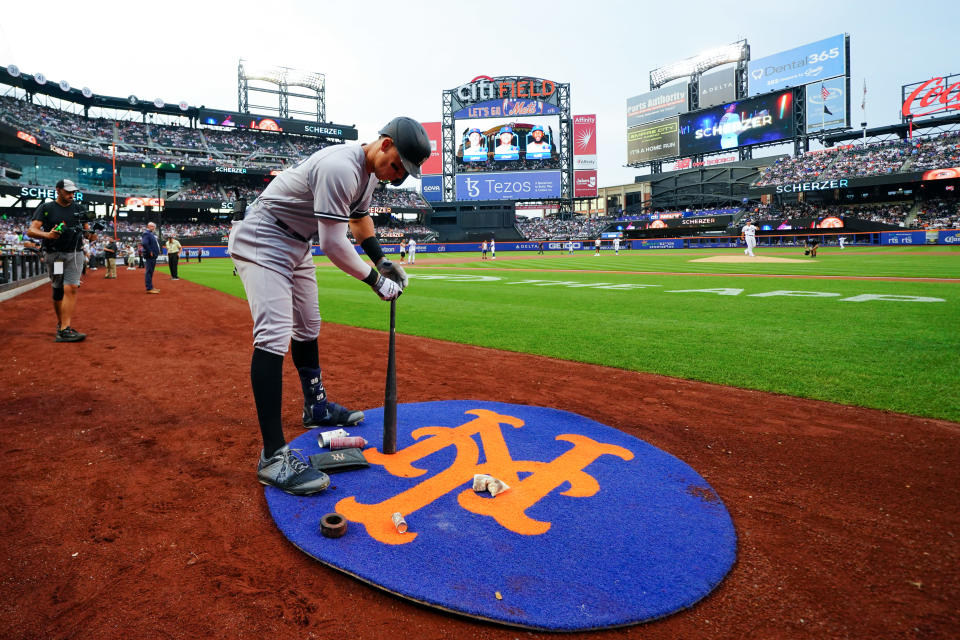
(697, 273)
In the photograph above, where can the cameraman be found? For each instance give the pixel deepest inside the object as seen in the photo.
(59, 224)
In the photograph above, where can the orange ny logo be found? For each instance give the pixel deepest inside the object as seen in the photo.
(508, 508)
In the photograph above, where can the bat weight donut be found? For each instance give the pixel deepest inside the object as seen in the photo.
(333, 525)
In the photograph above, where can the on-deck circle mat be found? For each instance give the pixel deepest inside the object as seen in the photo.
(598, 528)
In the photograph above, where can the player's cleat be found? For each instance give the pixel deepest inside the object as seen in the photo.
(70, 335)
(287, 470)
(329, 414)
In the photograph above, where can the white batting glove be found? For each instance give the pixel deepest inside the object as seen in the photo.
(395, 272)
(386, 288)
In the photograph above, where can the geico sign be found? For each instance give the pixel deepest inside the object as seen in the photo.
(937, 97)
(487, 88)
(139, 203)
(733, 128)
(812, 186)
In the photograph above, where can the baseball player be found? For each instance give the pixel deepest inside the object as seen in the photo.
(749, 234)
(316, 199)
(483, 250)
(596, 247)
(493, 248)
(842, 240)
(616, 246)
(411, 251)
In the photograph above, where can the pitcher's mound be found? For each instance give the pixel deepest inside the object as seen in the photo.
(746, 259)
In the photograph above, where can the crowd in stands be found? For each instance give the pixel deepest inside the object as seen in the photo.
(939, 213)
(578, 228)
(881, 158)
(938, 153)
(892, 213)
(402, 198)
(148, 142)
(190, 190)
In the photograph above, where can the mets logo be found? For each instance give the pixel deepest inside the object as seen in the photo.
(524, 515)
(509, 509)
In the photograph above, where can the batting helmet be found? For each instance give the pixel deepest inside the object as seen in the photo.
(412, 141)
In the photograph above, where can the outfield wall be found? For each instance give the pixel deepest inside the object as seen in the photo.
(873, 238)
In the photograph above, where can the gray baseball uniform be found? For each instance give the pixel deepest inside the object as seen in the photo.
(271, 246)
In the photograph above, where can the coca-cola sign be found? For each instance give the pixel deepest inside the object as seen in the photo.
(938, 95)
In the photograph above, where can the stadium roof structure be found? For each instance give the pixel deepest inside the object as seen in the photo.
(899, 130)
(695, 65)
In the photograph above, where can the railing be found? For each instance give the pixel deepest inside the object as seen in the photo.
(20, 265)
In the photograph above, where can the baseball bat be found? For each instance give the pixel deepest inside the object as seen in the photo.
(390, 394)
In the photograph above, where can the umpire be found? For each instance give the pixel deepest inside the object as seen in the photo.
(59, 225)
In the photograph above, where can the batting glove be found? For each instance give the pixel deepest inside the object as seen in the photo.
(393, 271)
(386, 288)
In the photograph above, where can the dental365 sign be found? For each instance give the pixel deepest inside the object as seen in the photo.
(810, 63)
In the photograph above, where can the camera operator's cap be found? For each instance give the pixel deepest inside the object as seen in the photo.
(413, 143)
(67, 185)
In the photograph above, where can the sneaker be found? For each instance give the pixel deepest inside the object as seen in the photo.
(288, 471)
(335, 416)
(70, 335)
(153, 290)
(174, 278)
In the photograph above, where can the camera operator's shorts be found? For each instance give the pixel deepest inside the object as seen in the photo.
(72, 267)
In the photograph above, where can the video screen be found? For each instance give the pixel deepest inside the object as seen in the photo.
(500, 144)
(767, 118)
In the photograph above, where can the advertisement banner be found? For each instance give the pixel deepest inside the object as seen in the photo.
(809, 63)
(719, 87)
(585, 141)
(948, 237)
(940, 95)
(653, 141)
(431, 188)
(904, 237)
(270, 123)
(669, 243)
(827, 105)
(752, 121)
(527, 185)
(946, 173)
(434, 164)
(585, 184)
(506, 109)
(657, 105)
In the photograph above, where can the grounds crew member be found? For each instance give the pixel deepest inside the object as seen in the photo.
(319, 198)
(173, 255)
(58, 223)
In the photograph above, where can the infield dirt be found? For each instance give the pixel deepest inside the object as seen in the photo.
(131, 507)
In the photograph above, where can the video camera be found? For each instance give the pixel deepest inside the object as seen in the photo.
(75, 227)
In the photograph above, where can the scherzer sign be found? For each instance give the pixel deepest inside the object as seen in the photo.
(938, 95)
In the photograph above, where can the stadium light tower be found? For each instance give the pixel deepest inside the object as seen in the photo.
(282, 78)
(694, 66)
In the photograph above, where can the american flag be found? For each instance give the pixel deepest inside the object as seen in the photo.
(824, 92)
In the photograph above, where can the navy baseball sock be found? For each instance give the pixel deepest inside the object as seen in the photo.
(305, 354)
(266, 376)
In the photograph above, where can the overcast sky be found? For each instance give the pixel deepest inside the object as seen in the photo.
(383, 59)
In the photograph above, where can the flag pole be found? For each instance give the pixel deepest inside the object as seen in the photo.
(114, 156)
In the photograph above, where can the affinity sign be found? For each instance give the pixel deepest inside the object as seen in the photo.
(528, 185)
(802, 65)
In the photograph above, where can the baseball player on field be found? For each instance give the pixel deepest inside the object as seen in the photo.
(749, 232)
(317, 199)
(411, 251)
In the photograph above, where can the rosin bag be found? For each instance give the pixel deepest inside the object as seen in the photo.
(340, 460)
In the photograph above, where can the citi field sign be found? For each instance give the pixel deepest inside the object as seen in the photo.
(516, 87)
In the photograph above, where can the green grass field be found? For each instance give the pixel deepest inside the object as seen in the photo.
(886, 344)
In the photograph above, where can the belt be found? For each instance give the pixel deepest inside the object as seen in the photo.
(285, 227)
